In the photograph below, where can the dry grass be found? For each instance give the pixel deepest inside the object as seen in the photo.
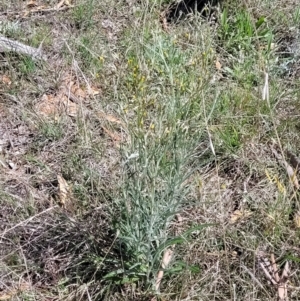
(161, 134)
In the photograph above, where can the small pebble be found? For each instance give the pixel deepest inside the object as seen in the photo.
(11, 165)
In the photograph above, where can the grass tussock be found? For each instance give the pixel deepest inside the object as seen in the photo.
(152, 128)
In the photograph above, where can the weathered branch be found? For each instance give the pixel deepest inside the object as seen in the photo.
(7, 45)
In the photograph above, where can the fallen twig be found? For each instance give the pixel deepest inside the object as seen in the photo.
(25, 222)
(47, 10)
(271, 271)
(24, 14)
(8, 45)
(165, 262)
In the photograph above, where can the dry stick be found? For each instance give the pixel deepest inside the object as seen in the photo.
(267, 268)
(282, 287)
(27, 220)
(60, 4)
(274, 268)
(279, 282)
(45, 10)
(24, 14)
(254, 278)
(166, 258)
(87, 292)
(165, 261)
(8, 45)
(26, 266)
(75, 64)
